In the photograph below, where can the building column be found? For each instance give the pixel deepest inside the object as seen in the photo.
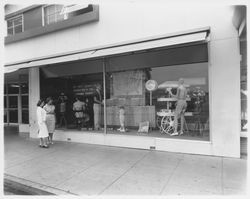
(34, 96)
(224, 80)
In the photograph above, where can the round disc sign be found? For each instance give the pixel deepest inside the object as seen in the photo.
(151, 85)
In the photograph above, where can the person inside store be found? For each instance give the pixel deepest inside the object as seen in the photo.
(50, 118)
(62, 109)
(79, 108)
(41, 120)
(181, 106)
(87, 113)
(122, 119)
(97, 108)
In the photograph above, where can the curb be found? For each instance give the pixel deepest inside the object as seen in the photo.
(32, 187)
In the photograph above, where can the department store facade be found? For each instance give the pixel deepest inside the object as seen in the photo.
(89, 51)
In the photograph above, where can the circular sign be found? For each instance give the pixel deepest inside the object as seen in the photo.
(151, 85)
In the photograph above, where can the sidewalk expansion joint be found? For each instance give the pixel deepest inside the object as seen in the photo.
(170, 177)
(123, 173)
(81, 171)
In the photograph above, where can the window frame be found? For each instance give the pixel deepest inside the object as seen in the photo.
(44, 23)
(13, 26)
(19, 107)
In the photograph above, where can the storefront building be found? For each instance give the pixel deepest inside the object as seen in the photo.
(127, 68)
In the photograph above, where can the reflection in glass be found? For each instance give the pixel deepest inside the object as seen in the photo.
(24, 88)
(18, 21)
(18, 29)
(25, 116)
(5, 101)
(13, 101)
(9, 23)
(5, 88)
(10, 31)
(25, 101)
(13, 116)
(13, 88)
(5, 116)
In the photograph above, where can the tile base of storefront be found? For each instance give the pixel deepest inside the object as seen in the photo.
(139, 142)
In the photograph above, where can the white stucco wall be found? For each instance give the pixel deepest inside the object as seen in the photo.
(124, 22)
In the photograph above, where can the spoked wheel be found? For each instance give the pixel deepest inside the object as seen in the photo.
(167, 124)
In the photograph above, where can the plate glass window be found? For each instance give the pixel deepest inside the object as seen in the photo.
(15, 25)
(53, 14)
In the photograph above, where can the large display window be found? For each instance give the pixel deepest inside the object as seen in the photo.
(131, 108)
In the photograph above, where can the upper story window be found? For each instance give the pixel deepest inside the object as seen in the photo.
(53, 14)
(15, 25)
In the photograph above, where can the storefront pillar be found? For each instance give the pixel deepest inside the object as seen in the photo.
(225, 97)
(104, 98)
(34, 96)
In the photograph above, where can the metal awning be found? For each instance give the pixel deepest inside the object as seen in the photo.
(173, 40)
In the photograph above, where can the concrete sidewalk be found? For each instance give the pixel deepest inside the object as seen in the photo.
(84, 169)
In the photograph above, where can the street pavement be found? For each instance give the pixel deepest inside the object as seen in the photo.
(84, 169)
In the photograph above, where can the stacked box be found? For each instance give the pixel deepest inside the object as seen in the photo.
(123, 101)
(133, 115)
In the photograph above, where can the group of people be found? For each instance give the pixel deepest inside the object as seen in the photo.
(46, 121)
(82, 112)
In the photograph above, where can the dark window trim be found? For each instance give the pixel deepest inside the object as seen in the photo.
(71, 22)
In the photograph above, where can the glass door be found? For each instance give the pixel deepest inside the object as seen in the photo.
(16, 103)
(13, 108)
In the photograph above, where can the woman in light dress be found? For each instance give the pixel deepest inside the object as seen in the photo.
(41, 119)
(50, 118)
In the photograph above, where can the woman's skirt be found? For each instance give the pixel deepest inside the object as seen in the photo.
(50, 122)
(43, 131)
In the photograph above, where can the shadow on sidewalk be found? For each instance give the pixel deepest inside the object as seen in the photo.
(15, 188)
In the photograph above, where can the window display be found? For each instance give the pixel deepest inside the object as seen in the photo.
(176, 107)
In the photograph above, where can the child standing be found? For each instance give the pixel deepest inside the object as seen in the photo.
(122, 119)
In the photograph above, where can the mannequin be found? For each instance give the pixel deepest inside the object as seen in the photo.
(122, 119)
(181, 106)
(97, 109)
(62, 109)
(78, 108)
